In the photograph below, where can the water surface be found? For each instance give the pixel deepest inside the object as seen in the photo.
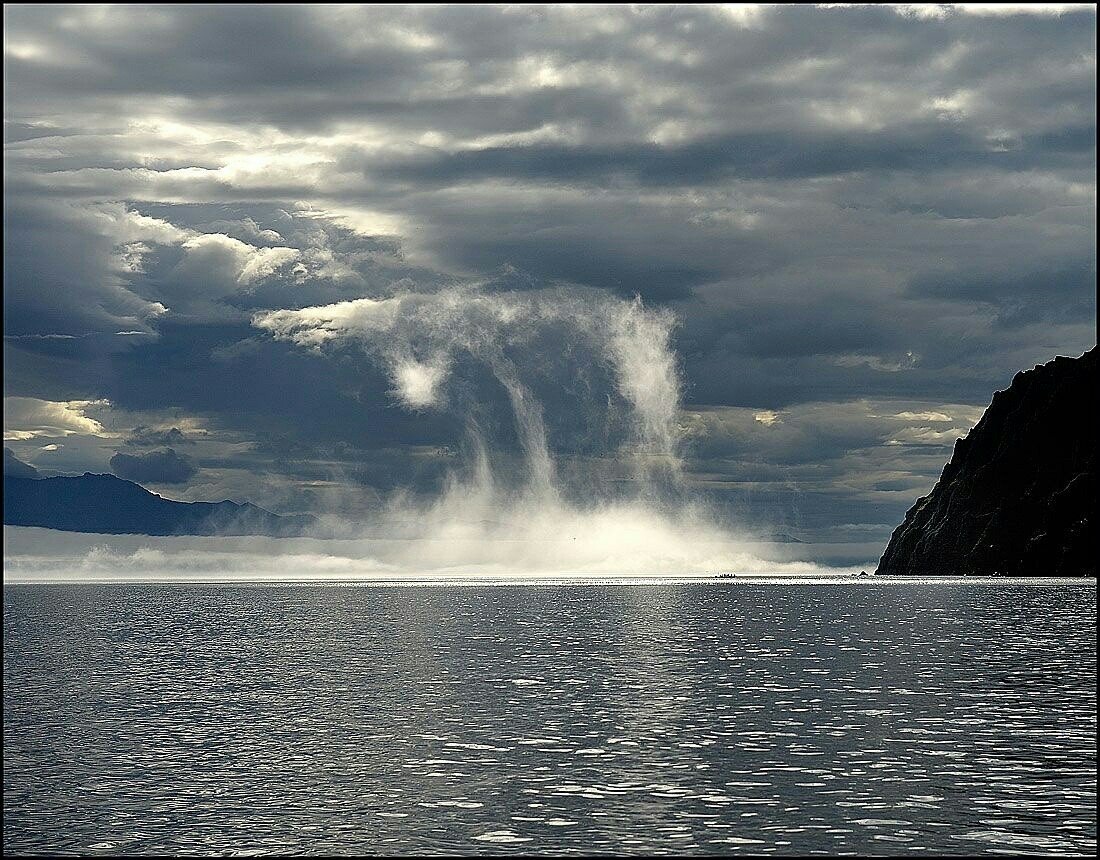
(693, 718)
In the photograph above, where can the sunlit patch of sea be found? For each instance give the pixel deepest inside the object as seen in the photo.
(766, 716)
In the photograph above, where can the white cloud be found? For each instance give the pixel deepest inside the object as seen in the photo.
(927, 436)
(30, 418)
(128, 225)
(927, 11)
(220, 264)
(314, 326)
(417, 384)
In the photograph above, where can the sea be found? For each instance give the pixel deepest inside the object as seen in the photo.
(563, 718)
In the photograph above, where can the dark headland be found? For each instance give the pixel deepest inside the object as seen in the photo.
(1019, 495)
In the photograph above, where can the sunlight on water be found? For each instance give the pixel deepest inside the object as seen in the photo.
(923, 717)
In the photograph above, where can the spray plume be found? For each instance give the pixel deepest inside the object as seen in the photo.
(616, 353)
(419, 338)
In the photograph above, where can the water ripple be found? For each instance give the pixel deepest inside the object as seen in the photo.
(950, 718)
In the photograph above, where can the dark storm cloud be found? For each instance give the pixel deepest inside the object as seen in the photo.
(761, 155)
(227, 56)
(60, 276)
(1021, 298)
(840, 205)
(149, 437)
(155, 467)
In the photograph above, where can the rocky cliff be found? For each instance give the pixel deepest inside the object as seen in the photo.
(1019, 495)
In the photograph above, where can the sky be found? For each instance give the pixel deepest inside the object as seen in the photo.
(852, 224)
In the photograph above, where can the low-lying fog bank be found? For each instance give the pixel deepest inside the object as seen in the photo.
(470, 552)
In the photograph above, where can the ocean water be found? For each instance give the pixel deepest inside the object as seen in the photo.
(723, 718)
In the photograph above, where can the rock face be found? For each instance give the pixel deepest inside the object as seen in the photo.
(110, 505)
(1019, 495)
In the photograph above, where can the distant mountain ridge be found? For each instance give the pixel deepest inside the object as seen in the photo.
(1018, 497)
(105, 504)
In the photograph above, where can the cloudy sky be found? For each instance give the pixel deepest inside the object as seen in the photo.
(864, 220)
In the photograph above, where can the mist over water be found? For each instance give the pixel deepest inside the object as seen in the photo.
(586, 376)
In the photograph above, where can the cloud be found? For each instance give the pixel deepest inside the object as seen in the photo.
(1019, 297)
(150, 437)
(824, 464)
(87, 271)
(154, 467)
(222, 263)
(943, 10)
(878, 362)
(29, 418)
(418, 384)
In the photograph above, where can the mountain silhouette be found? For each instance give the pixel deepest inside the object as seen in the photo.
(108, 505)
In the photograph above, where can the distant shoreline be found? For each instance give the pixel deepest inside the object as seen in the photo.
(578, 581)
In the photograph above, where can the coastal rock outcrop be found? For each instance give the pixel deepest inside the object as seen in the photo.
(1018, 497)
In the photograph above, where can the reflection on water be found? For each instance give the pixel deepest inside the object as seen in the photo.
(952, 718)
